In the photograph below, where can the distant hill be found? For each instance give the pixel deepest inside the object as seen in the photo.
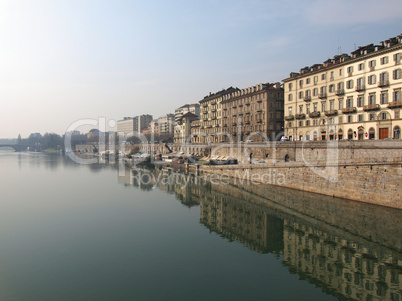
(8, 141)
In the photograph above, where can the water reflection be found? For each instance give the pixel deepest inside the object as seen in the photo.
(350, 250)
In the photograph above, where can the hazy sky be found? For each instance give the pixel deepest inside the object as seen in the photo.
(65, 60)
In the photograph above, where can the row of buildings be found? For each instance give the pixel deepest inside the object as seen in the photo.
(354, 97)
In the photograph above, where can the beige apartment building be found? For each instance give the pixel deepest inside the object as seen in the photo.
(347, 97)
(211, 116)
(253, 114)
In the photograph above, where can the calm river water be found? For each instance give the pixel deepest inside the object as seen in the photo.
(88, 232)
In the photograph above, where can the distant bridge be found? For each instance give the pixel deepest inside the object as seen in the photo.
(21, 147)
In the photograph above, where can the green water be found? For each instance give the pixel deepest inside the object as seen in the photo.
(88, 232)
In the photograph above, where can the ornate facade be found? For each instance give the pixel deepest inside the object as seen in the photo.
(348, 97)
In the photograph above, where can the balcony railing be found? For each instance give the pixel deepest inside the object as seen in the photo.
(383, 83)
(259, 120)
(307, 98)
(349, 110)
(290, 117)
(395, 104)
(340, 92)
(331, 113)
(372, 107)
(322, 95)
(315, 114)
(360, 87)
(300, 116)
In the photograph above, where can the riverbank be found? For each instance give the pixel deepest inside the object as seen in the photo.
(371, 182)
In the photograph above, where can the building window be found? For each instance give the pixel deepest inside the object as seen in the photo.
(315, 79)
(360, 82)
(332, 105)
(290, 111)
(397, 57)
(397, 114)
(340, 104)
(307, 122)
(384, 97)
(397, 95)
(300, 94)
(308, 93)
(315, 121)
(361, 66)
(332, 75)
(331, 88)
(384, 60)
(323, 76)
(340, 72)
(349, 84)
(350, 69)
(360, 116)
(290, 97)
(349, 102)
(300, 123)
(301, 109)
(315, 92)
(307, 81)
(308, 109)
(301, 83)
(371, 116)
(360, 101)
(350, 118)
(315, 107)
(371, 80)
(371, 99)
(383, 115)
(290, 86)
(372, 64)
(397, 74)
(323, 107)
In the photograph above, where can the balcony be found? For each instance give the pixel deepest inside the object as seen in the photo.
(322, 95)
(300, 116)
(349, 110)
(340, 92)
(234, 115)
(233, 123)
(240, 114)
(240, 105)
(247, 113)
(225, 125)
(395, 104)
(360, 87)
(290, 117)
(234, 107)
(213, 110)
(259, 100)
(383, 83)
(307, 98)
(247, 103)
(259, 111)
(216, 125)
(315, 114)
(247, 122)
(373, 107)
(213, 118)
(331, 113)
(205, 119)
(259, 120)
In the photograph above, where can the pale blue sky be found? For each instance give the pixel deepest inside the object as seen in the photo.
(63, 60)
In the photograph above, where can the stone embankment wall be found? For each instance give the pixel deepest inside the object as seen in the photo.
(305, 151)
(376, 183)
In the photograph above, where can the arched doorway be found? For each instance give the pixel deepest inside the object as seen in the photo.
(340, 134)
(397, 132)
(331, 135)
(350, 134)
(371, 133)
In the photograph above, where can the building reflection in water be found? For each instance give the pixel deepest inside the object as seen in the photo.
(348, 252)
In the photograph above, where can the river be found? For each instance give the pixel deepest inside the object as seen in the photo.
(96, 232)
